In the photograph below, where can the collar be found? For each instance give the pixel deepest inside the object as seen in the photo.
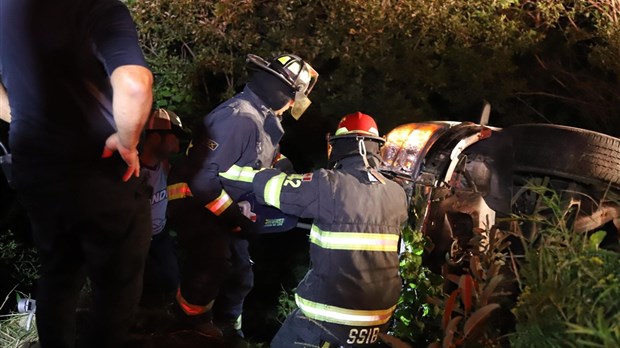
(257, 102)
(352, 162)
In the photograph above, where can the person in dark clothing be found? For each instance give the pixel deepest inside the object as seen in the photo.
(80, 92)
(348, 296)
(240, 135)
(161, 141)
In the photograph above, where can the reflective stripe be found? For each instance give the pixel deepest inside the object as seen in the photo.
(273, 189)
(353, 240)
(243, 174)
(279, 157)
(237, 324)
(218, 205)
(338, 315)
(192, 309)
(178, 191)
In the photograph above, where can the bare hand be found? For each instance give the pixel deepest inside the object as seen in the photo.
(129, 155)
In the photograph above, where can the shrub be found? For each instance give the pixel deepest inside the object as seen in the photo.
(416, 320)
(570, 287)
(399, 60)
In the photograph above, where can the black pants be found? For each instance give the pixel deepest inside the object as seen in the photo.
(301, 331)
(91, 224)
(216, 265)
(161, 273)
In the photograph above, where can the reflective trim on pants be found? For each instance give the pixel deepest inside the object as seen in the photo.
(192, 309)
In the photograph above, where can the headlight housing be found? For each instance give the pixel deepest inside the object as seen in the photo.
(406, 146)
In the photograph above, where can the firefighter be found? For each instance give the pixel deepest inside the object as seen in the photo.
(348, 296)
(237, 137)
(161, 141)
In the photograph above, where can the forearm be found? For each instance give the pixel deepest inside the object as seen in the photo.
(5, 109)
(132, 102)
(295, 194)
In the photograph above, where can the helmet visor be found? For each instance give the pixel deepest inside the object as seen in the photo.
(307, 78)
(300, 104)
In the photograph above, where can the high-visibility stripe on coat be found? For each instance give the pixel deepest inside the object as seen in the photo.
(354, 278)
(237, 138)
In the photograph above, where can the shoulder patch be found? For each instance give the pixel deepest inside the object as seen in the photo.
(212, 144)
(306, 177)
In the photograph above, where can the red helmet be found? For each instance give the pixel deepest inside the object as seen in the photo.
(357, 125)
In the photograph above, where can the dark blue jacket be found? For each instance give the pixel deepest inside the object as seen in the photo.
(358, 218)
(236, 138)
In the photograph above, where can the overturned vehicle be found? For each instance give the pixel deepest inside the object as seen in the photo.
(473, 177)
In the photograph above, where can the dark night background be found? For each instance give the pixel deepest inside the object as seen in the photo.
(399, 61)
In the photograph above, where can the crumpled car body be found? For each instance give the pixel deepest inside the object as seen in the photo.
(474, 177)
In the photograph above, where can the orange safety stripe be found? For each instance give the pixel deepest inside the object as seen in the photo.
(192, 309)
(178, 191)
(218, 205)
(278, 158)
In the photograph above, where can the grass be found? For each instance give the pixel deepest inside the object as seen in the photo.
(13, 332)
(570, 286)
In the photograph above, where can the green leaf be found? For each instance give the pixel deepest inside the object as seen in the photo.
(596, 239)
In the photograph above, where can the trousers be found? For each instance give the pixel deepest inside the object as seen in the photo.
(216, 269)
(93, 225)
(161, 272)
(301, 331)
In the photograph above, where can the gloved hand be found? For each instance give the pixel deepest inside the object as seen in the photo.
(247, 229)
(240, 226)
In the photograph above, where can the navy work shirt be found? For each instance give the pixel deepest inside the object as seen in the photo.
(55, 61)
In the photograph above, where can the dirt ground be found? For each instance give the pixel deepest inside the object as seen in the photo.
(156, 327)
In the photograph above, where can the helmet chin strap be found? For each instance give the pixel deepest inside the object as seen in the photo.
(373, 175)
(362, 151)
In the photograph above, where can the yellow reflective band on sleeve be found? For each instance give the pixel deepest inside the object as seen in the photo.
(218, 205)
(178, 191)
(353, 240)
(273, 189)
(338, 315)
(243, 174)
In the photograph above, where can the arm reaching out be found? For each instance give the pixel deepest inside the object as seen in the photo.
(131, 104)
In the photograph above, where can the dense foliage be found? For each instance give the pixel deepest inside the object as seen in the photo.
(408, 60)
(416, 320)
(570, 287)
(400, 60)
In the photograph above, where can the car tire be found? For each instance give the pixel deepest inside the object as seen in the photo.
(572, 153)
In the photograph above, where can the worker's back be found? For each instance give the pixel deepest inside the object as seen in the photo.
(354, 240)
